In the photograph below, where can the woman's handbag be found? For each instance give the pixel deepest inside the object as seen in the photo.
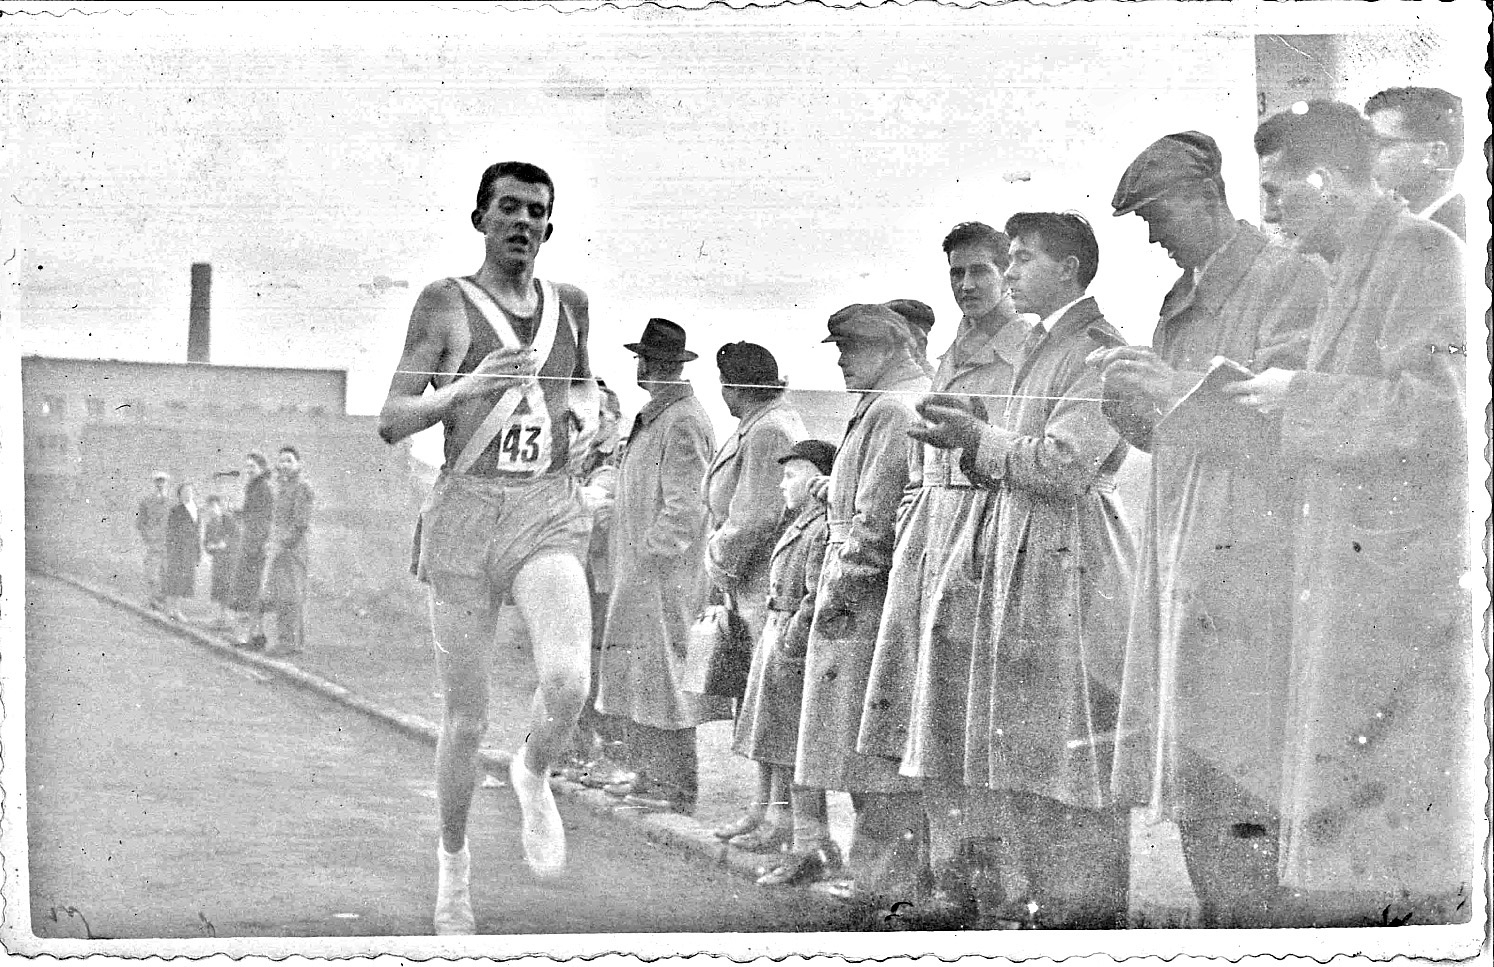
(718, 654)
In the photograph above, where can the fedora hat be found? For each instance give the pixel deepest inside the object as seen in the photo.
(662, 339)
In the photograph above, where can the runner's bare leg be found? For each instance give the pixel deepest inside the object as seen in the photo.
(463, 634)
(551, 593)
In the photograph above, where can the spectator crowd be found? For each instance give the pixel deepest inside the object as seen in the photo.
(949, 615)
(258, 551)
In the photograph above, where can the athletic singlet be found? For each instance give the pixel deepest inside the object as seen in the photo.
(520, 451)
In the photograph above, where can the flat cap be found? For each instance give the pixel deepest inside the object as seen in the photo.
(917, 313)
(1189, 157)
(867, 322)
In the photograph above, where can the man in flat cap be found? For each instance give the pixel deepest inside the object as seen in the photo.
(878, 358)
(915, 702)
(659, 580)
(1050, 625)
(150, 524)
(1201, 720)
(1421, 144)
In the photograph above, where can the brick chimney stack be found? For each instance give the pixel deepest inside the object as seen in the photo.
(198, 333)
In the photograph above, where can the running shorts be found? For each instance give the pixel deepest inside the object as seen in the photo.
(476, 532)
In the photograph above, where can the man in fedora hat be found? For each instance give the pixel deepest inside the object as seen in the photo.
(1201, 716)
(658, 546)
(503, 354)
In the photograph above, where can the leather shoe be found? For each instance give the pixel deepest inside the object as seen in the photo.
(764, 839)
(802, 868)
(744, 823)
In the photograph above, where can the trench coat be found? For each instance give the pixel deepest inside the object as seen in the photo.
(867, 482)
(915, 699)
(1046, 663)
(744, 506)
(767, 728)
(183, 553)
(658, 566)
(1210, 634)
(1382, 731)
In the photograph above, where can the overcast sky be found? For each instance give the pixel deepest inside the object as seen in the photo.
(744, 173)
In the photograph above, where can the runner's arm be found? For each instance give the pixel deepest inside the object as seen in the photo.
(409, 408)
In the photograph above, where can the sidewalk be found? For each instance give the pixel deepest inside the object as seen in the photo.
(374, 657)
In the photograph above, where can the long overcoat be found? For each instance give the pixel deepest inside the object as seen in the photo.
(1209, 646)
(288, 550)
(1382, 731)
(867, 482)
(658, 566)
(254, 534)
(744, 506)
(220, 539)
(767, 728)
(1046, 663)
(915, 700)
(183, 553)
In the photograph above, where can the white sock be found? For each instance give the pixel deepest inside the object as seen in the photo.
(453, 896)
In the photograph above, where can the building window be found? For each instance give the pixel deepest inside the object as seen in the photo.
(52, 407)
(97, 408)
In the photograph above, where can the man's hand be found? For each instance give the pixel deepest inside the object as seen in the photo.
(499, 370)
(1133, 373)
(1264, 393)
(948, 424)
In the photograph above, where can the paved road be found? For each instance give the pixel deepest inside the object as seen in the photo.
(172, 794)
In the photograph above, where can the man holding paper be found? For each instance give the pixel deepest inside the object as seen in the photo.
(1380, 813)
(1204, 690)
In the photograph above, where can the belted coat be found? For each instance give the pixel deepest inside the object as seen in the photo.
(1046, 656)
(867, 482)
(915, 700)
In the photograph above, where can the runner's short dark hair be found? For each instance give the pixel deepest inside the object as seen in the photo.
(979, 233)
(1321, 134)
(291, 450)
(1060, 235)
(1429, 113)
(518, 170)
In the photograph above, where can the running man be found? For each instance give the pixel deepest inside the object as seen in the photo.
(504, 357)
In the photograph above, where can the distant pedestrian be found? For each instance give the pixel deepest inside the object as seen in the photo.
(254, 537)
(150, 524)
(220, 539)
(183, 550)
(658, 560)
(288, 555)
